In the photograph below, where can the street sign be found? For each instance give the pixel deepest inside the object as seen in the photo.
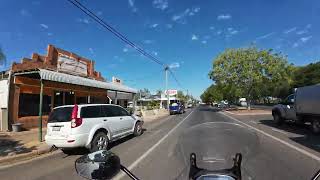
(171, 92)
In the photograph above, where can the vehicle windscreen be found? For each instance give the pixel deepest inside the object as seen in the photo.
(60, 115)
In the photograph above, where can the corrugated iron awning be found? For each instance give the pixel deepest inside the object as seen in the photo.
(77, 80)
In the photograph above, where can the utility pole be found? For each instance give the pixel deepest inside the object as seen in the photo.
(168, 98)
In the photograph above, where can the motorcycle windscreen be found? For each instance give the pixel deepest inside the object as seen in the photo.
(215, 145)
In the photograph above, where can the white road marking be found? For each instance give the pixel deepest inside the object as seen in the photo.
(136, 162)
(253, 122)
(313, 156)
(278, 130)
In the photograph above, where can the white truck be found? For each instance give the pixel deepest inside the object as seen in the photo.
(302, 106)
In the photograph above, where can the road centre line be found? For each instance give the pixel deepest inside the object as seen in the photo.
(136, 162)
(313, 156)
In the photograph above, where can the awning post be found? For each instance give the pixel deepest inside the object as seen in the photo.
(116, 97)
(40, 110)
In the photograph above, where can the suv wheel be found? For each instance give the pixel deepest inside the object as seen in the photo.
(277, 118)
(100, 141)
(315, 126)
(137, 129)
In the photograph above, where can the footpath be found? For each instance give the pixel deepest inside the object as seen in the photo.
(17, 146)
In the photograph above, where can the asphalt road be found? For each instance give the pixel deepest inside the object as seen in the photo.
(154, 155)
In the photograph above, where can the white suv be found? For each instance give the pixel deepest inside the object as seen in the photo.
(90, 125)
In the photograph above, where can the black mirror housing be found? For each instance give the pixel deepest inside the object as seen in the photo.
(98, 165)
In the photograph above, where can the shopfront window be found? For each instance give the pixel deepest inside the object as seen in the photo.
(29, 105)
(69, 98)
(58, 98)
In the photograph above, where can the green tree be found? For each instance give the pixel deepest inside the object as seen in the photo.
(2, 57)
(306, 75)
(182, 96)
(249, 72)
(212, 94)
(159, 92)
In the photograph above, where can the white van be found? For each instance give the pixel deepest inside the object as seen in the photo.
(91, 126)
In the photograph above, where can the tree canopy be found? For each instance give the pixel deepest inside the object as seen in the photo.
(2, 57)
(249, 72)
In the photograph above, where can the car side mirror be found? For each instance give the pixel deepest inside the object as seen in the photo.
(98, 165)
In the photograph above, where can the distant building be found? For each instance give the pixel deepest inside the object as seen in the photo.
(60, 78)
(160, 99)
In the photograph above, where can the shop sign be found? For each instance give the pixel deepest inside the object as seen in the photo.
(71, 65)
(171, 92)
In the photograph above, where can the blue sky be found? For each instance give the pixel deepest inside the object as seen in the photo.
(187, 34)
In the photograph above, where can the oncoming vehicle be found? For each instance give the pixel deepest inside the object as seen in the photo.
(91, 126)
(218, 154)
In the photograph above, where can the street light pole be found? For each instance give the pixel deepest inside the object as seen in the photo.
(168, 98)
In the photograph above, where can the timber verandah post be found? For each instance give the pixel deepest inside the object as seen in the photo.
(40, 110)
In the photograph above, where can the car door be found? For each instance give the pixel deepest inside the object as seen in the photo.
(290, 108)
(91, 115)
(127, 119)
(114, 120)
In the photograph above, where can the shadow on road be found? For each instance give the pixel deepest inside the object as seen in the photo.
(306, 138)
(209, 109)
(9, 146)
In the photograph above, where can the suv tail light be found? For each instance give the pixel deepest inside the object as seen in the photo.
(75, 121)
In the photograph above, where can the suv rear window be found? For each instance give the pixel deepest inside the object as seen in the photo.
(91, 112)
(60, 115)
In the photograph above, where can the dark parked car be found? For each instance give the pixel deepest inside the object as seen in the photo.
(176, 108)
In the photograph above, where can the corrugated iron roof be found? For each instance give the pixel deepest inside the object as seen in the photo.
(77, 80)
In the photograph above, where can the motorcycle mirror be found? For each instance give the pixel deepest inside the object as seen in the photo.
(98, 165)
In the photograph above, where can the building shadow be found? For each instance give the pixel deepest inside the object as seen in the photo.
(306, 137)
(9, 146)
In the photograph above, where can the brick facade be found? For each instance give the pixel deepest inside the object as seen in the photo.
(50, 62)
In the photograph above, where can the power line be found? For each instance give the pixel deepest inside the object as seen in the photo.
(122, 37)
(175, 78)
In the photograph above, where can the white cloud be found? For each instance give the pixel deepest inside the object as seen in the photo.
(290, 30)
(194, 11)
(50, 34)
(230, 29)
(308, 26)
(84, 20)
(265, 36)
(91, 50)
(224, 17)
(302, 32)
(160, 4)
(99, 13)
(24, 12)
(204, 42)
(207, 37)
(174, 65)
(169, 26)
(154, 25)
(295, 45)
(132, 6)
(44, 26)
(234, 32)
(211, 28)
(155, 53)
(305, 39)
(181, 18)
(125, 49)
(148, 41)
(194, 37)
(219, 32)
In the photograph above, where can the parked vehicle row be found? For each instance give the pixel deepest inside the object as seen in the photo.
(92, 126)
(302, 106)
